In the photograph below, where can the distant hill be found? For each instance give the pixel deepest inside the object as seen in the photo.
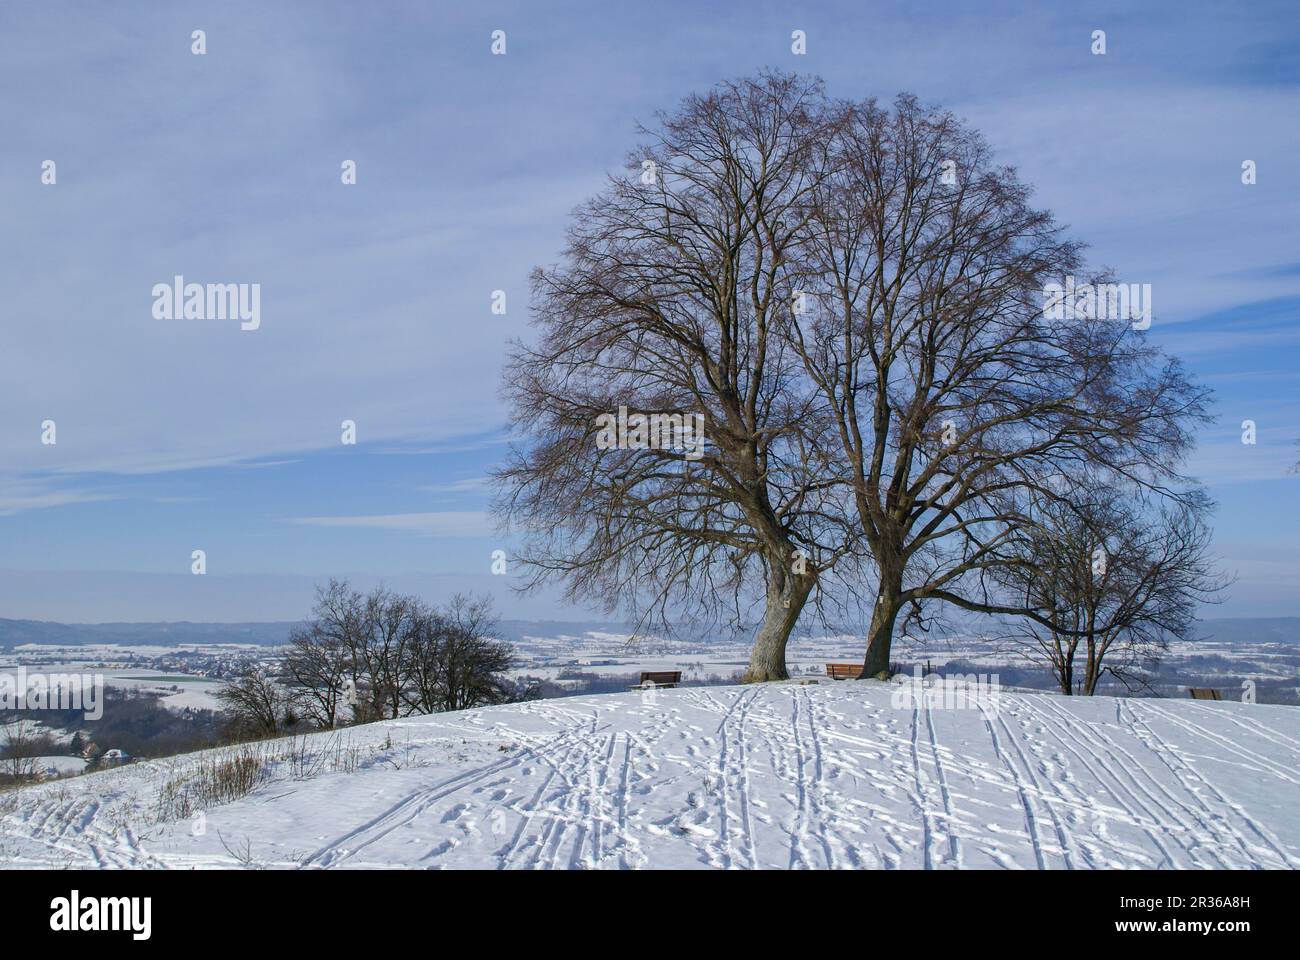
(1251, 630)
(16, 632)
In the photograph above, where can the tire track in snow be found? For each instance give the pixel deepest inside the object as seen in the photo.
(734, 772)
(1031, 820)
(1235, 749)
(598, 801)
(1135, 809)
(726, 750)
(1263, 731)
(950, 819)
(1068, 854)
(575, 813)
(411, 806)
(799, 856)
(1183, 772)
(1214, 823)
(734, 766)
(622, 800)
(818, 785)
(922, 801)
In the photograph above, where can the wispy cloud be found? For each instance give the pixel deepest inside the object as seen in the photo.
(18, 496)
(447, 523)
(467, 485)
(455, 446)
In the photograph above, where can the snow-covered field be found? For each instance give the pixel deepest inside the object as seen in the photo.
(778, 775)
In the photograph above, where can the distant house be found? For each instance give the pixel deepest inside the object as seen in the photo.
(111, 758)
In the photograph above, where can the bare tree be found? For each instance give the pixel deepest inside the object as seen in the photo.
(425, 670)
(1113, 579)
(21, 747)
(371, 632)
(256, 704)
(853, 297)
(472, 663)
(673, 287)
(316, 669)
(388, 655)
(452, 661)
(387, 622)
(955, 399)
(338, 617)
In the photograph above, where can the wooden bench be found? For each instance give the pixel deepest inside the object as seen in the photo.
(660, 678)
(844, 671)
(1204, 693)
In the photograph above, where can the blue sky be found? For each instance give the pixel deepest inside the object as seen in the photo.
(183, 435)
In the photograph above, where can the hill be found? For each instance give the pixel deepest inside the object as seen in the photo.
(848, 774)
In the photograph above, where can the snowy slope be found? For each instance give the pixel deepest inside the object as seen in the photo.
(779, 775)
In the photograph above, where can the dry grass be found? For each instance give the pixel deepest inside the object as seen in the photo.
(224, 776)
(214, 780)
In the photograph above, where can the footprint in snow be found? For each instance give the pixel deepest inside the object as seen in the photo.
(456, 812)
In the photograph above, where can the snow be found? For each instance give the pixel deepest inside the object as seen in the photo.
(777, 775)
(57, 766)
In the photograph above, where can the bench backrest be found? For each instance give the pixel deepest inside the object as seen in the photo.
(844, 671)
(662, 676)
(1204, 693)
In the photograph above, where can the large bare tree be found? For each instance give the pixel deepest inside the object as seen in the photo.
(955, 398)
(672, 289)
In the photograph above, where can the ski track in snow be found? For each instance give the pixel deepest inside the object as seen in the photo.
(833, 775)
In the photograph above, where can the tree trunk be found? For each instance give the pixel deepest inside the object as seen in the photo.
(1093, 674)
(881, 635)
(786, 595)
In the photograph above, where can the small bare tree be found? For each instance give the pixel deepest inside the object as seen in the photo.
(316, 669)
(1112, 578)
(473, 664)
(21, 746)
(367, 635)
(387, 622)
(338, 617)
(425, 661)
(398, 654)
(254, 701)
(454, 663)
